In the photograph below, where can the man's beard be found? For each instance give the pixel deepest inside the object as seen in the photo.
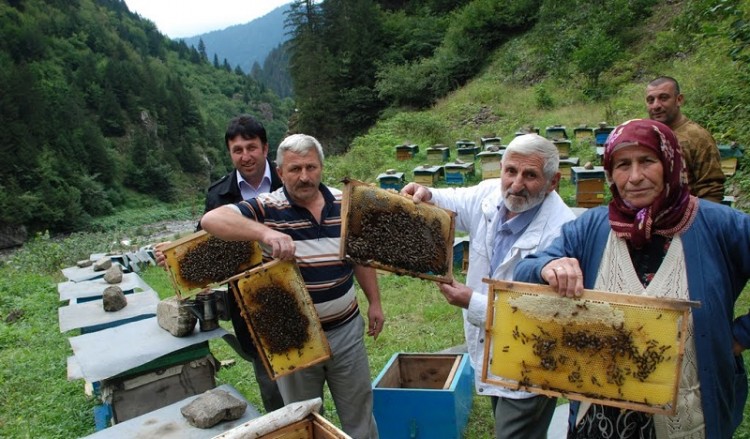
(524, 201)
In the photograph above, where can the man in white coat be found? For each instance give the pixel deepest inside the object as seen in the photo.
(507, 219)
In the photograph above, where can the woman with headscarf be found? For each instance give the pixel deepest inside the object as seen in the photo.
(656, 239)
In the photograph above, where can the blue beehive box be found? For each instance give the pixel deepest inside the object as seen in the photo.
(423, 396)
(602, 132)
(458, 172)
(391, 179)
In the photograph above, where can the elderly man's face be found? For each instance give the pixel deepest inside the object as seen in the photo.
(301, 175)
(523, 183)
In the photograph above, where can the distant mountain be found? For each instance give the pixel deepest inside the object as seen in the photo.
(244, 44)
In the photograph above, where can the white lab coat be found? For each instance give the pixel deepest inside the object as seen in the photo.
(477, 213)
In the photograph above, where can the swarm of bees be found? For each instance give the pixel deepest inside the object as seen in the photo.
(277, 319)
(606, 347)
(214, 260)
(401, 240)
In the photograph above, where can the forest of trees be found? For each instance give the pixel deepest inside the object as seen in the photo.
(95, 101)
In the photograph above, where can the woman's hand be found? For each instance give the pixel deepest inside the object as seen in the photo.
(564, 274)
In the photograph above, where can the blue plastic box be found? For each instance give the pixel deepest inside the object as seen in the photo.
(423, 396)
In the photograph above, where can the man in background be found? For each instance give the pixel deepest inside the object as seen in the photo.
(702, 159)
(507, 218)
(253, 175)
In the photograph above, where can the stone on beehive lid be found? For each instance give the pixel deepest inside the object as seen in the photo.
(84, 263)
(213, 407)
(113, 275)
(113, 299)
(103, 264)
(175, 318)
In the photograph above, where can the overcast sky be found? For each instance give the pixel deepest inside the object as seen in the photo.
(187, 18)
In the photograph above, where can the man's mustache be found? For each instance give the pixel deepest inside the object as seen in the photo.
(522, 193)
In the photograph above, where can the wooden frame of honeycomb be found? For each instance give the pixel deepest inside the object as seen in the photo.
(613, 349)
(200, 260)
(388, 231)
(281, 317)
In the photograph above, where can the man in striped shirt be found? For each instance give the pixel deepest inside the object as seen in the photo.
(302, 220)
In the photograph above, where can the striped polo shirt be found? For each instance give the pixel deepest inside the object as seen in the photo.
(329, 279)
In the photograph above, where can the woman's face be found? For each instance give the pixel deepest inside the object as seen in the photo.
(638, 175)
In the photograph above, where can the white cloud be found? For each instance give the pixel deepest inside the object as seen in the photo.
(187, 18)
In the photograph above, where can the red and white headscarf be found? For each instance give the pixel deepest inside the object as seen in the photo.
(674, 210)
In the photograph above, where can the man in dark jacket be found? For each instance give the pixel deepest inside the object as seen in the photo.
(253, 174)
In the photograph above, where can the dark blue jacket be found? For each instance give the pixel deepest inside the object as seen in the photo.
(717, 258)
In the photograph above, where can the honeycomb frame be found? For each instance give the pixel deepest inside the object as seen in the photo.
(608, 348)
(176, 251)
(388, 231)
(280, 274)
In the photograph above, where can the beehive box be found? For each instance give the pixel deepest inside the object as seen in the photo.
(391, 179)
(423, 396)
(201, 260)
(458, 173)
(615, 349)
(602, 133)
(296, 420)
(589, 184)
(406, 152)
(313, 426)
(527, 129)
(556, 132)
(489, 141)
(281, 317)
(467, 153)
(438, 154)
(583, 133)
(563, 147)
(566, 165)
(390, 232)
(491, 164)
(427, 175)
(729, 155)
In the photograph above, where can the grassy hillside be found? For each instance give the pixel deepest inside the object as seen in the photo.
(502, 99)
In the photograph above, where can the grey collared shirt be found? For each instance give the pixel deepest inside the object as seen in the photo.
(508, 232)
